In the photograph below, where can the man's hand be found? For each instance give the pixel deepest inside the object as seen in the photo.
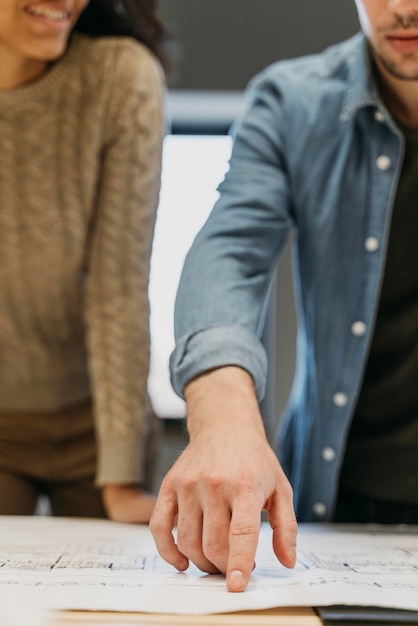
(226, 476)
(128, 503)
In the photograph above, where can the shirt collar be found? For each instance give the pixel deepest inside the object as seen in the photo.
(362, 89)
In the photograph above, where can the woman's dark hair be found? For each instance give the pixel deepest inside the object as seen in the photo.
(131, 18)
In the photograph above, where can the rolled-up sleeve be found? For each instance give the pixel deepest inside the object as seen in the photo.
(222, 296)
(216, 347)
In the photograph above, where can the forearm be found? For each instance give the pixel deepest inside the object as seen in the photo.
(222, 399)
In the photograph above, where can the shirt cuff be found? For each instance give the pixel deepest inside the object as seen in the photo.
(215, 347)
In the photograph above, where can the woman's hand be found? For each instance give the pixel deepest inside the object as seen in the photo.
(128, 503)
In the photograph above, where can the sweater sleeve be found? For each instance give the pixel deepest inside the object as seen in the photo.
(117, 307)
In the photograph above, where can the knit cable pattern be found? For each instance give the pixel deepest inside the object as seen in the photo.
(79, 180)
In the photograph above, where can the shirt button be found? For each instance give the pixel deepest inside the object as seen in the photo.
(371, 244)
(340, 399)
(358, 329)
(319, 509)
(383, 162)
(379, 116)
(328, 454)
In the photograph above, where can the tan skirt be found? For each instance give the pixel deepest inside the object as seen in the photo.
(51, 454)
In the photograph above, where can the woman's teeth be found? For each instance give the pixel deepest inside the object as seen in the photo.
(51, 14)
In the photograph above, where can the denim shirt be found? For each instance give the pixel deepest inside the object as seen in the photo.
(316, 154)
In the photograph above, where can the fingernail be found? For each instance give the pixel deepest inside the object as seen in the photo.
(293, 554)
(235, 580)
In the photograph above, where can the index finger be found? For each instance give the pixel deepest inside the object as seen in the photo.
(243, 540)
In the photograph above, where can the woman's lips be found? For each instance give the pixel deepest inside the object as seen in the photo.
(55, 15)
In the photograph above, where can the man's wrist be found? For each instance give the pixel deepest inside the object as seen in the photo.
(221, 398)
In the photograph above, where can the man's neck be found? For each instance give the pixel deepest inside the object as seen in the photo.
(400, 97)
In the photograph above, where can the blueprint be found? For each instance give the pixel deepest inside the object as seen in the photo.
(100, 565)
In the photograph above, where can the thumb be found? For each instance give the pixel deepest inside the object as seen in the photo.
(282, 520)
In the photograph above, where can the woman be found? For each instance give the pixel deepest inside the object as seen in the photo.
(81, 126)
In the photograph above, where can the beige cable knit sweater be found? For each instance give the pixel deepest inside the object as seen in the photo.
(80, 158)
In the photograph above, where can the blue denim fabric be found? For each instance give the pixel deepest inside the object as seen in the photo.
(316, 154)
